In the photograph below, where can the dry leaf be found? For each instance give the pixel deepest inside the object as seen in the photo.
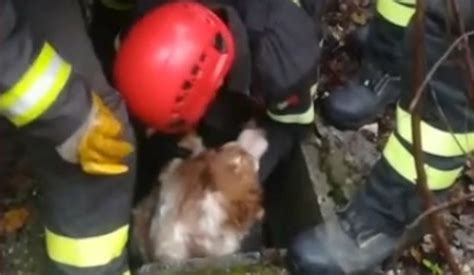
(15, 219)
(359, 18)
(416, 254)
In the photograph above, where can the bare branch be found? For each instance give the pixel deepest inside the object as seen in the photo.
(438, 226)
(438, 208)
(422, 217)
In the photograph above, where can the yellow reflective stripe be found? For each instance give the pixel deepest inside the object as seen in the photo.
(37, 89)
(86, 252)
(395, 12)
(297, 2)
(303, 118)
(117, 4)
(435, 141)
(403, 162)
(127, 272)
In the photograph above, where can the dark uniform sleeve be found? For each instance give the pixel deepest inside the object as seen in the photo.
(286, 54)
(39, 91)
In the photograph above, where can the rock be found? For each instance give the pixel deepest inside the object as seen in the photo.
(466, 240)
(346, 157)
(428, 244)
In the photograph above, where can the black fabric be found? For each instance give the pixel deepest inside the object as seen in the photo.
(106, 25)
(229, 112)
(239, 77)
(390, 196)
(281, 141)
(384, 43)
(10, 149)
(447, 89)
(73, 203)
(283, 43)
(295, 102)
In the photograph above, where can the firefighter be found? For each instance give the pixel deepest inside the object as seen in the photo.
(184, 64)
(366, 231)
(79, 139)
(365, 97)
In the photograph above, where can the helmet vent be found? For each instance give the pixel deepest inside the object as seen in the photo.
(195, 70)
(187, 85)
(219, 43)
(179, 98)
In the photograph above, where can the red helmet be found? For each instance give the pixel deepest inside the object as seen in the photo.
(172, 63)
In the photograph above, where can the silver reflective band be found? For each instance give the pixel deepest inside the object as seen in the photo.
(38, 90)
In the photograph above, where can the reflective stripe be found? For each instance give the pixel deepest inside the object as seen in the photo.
(303, 118)
(403, 162)
(297, 2)
(127, 272)
(395, 12)
(313, 90)
(86, 252)
(37, 89)
(435, 141)
(118, 5)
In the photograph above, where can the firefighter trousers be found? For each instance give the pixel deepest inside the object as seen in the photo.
(86, 217)
(447, 115)
(9, 149)
(386, 32)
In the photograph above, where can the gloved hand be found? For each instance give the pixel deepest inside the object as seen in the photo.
(98, 146)
(102, 150)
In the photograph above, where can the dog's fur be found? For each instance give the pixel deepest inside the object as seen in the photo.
(206, 203)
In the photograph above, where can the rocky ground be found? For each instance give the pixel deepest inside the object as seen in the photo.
(339, 162)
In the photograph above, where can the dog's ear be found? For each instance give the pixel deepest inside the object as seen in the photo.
(254, 141)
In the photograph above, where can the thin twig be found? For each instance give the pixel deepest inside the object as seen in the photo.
(438, 208)
(445, 121)
(435, 67)
(438, 226)
(467, 49)
(421, 218)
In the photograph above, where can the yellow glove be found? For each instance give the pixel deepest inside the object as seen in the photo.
(102, 148)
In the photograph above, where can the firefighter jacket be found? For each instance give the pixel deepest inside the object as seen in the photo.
(39, 91)
(86, 217)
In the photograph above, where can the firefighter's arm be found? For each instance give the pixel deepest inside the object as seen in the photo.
(286, 63)
(42, 96)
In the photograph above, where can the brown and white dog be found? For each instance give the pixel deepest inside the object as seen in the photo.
(206, 204)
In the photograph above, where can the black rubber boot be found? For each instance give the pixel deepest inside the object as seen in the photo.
(362, 100)
(335, 248)
(377, 84)
(362, 234)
